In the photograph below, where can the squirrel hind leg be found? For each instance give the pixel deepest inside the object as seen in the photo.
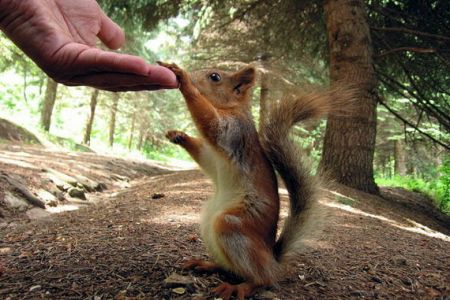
(246, 255)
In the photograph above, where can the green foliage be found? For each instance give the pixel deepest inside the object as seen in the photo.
(165, 153)
(345, 200)
(438, 189)
(444, 183)
(67, 143)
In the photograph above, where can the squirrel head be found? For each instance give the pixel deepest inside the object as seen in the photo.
(222, 88)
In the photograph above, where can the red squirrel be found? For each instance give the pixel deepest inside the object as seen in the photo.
(239, 223)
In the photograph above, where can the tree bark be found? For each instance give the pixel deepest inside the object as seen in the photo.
(90, 121)
(399, 158)
(49, 103)
(112, 120)
(349, 142)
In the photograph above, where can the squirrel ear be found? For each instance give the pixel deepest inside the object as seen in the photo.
(244, 79)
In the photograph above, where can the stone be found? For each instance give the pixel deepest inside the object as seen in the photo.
(45, 196)
(76, 193)
(37, 213)
(16, 202)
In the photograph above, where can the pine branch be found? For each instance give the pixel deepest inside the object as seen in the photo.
(406, 122)
(420, 99)
(401, 49)
(242, 14)
(397, 87)
(410, 31)
(440, 115)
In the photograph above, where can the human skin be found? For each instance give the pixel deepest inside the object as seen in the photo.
(60, 36)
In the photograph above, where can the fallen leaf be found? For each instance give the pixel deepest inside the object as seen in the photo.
(179, 290)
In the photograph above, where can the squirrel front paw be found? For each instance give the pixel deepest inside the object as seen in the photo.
(180, 73)
(176, 137)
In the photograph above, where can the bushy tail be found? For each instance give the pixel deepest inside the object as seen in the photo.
(305, 215)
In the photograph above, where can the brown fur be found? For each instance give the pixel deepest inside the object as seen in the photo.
(239, 223)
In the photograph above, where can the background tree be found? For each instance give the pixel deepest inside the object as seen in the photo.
(48, 103)
(90, 119)
(113, 117)
(349, 143)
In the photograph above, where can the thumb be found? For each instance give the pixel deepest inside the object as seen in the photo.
(110, 33)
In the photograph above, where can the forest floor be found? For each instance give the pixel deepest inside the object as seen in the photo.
(128, 241)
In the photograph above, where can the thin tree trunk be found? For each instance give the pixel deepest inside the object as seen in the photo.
(49, 103)
(41, 84)
(112, 120)
(90, 121)
(399, 158)
(349, 142)
(25, 72)
(264, 93)
(133, 123)
(142, 135)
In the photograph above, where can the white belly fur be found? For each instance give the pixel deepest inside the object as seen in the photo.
(228, 193)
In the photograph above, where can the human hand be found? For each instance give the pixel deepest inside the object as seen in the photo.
(60, 36)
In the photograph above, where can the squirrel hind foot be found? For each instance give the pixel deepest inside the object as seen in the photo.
(226, 290)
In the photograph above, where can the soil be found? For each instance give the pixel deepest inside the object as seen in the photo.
(130, 241)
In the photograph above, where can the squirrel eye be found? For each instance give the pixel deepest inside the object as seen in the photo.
(215, 77)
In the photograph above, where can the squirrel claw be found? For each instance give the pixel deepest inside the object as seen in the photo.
(176, 137)
(167, 65)
(171, 66)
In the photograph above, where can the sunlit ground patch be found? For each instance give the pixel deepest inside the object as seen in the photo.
(415, 227)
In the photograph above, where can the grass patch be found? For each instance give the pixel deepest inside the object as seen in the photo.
(345, 200)
(67, 143)
(438, 189)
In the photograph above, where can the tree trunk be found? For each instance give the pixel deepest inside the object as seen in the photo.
(142, 133)
(49, 103)
(133, 123)
(349, 142)
(112, 120)
(399, 158)
(90, 121)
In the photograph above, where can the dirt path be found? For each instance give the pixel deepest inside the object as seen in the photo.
(125, 247)
(62, 179)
